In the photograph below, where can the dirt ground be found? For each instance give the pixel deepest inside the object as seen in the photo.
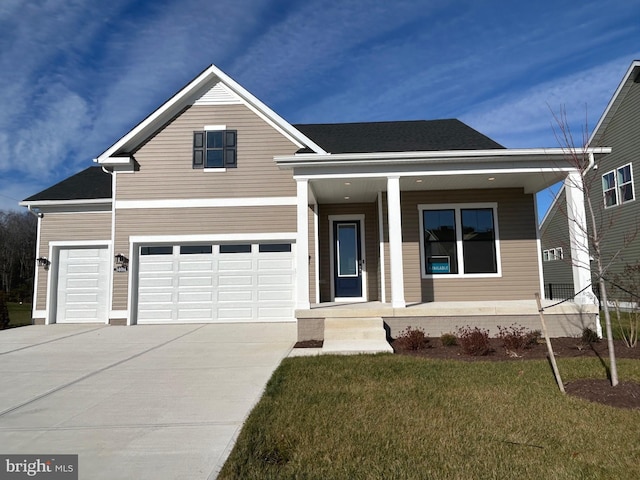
(625, 395)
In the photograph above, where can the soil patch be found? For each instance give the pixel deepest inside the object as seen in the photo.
(624, 395)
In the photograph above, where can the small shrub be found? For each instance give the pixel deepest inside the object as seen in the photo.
(474, 341)
(412, 339)
(516, 337)
(589, 336)
(448, 340)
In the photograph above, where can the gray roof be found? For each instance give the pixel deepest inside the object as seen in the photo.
(403, 136)
(89, 184)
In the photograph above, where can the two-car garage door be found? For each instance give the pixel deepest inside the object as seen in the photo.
(216, 283)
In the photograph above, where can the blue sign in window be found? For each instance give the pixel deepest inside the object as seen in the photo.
(438, 265)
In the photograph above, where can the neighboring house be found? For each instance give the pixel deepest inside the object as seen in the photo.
(215, 209)
(612, 191)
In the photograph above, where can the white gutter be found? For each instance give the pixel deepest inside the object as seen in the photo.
(447, 156)
(49, 203)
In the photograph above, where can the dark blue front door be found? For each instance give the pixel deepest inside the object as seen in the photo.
(347, 259)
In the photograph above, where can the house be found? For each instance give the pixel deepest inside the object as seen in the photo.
(216, 209)
(611, 188)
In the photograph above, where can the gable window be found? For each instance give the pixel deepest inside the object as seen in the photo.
(617, 186)
(552, 254)
(215, 148)
(459, 240)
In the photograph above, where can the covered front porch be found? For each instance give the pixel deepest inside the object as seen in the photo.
(398, 268)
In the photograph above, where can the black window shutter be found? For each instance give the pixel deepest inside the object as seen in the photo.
(230, 153)
(198, 149)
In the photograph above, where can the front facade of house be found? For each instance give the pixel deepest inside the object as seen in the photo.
(215, 209)
(611, 186)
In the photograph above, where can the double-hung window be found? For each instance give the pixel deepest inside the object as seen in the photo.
(552, 254)
(215, 147)
(459, 240)
(617, 186)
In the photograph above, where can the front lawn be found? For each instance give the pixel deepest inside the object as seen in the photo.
(19, 314)
(393, 416)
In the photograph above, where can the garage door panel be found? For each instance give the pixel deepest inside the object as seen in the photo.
(82, 282)
(235, 265)
(235, 296)
(82, 285)
(278, 279)
(195, 313)
(81, 314)
(235, 313)
(198, 296)
(156, 267)
(195, 281)
(195, 266)
(148, 297)
(229, 280)
(216, 287)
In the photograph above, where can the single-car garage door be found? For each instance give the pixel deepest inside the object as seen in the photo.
(216, 283)
(83, 285)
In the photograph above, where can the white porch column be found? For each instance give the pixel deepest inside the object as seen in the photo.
(578, 239)
(395, 242)
(302, 246)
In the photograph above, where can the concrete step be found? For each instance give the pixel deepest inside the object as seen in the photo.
(355, 335)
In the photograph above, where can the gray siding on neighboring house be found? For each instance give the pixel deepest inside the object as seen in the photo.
(194, 221)
(518, 246)
(165, 160)
(68, 227)
(553, 234)
(618, 223)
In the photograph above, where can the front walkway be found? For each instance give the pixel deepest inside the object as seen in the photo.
(143, 402)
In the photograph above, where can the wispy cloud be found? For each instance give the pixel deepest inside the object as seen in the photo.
(525, 118)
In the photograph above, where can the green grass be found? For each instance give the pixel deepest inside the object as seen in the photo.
(19, 315)
(626, 320)
(393, 416)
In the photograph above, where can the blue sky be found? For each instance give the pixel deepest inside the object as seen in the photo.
(76, 75)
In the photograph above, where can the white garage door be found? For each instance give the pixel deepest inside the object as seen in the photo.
(216, 283)
(83, 285)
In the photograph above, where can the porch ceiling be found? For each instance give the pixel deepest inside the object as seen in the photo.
(358, 189)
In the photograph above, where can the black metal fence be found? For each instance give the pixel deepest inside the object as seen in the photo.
(558, 291)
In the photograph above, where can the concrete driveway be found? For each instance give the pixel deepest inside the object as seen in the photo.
(143, 402)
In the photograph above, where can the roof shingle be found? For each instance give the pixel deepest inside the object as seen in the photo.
(403, 136)
(90, 184)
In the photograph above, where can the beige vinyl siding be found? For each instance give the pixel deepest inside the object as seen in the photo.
(518, 248)
(620, 223)
(554, 234)
(372, 264)
(194, 221)
(164, 164)
(68, 227)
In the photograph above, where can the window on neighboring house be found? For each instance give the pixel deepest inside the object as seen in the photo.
(552, 254)
(459, 240)
(617, 186)
(215, 149)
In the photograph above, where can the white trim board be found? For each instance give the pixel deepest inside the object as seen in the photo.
(206, 202)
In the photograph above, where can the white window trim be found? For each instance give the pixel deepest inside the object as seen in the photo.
(457, 207)
(617, 185)
(552, 254)
(214, 128)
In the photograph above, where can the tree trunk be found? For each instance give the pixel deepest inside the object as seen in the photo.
(613, 368)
